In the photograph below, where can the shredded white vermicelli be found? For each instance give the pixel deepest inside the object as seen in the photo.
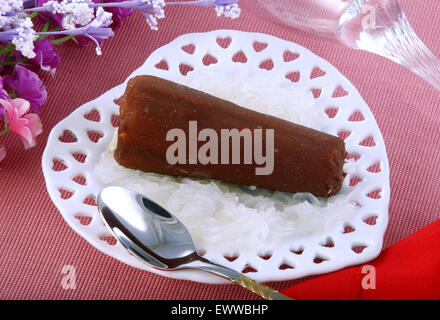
(227, 217)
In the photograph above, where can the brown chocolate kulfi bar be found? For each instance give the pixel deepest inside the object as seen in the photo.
(304, 160)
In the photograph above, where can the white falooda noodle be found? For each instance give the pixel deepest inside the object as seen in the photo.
(227, 217)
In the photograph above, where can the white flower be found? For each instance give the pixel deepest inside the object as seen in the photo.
(9, 18)
(24, 41)
(75, 12)
(17, 27)
(103, 19)
(7, 6)
(152, 10)
(230, 11)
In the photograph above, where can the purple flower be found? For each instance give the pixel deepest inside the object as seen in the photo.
(151, 9)
(46, 56)
(96, 30)
(227, 8)
(57, 20)
(27, 85)
(46, 10)
(3, 95)
(118, 13)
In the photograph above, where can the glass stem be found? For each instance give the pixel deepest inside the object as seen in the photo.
(414, 55)
(398, 41)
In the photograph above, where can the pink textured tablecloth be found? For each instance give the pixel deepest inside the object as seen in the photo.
(35, 242)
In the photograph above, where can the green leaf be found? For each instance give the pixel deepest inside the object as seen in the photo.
(61, 40)
(6, 129)
(11, 63)
(46, 26)
(33, 15)
(10, 47)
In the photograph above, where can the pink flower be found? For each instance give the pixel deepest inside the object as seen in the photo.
(26, 126)
(2, 152)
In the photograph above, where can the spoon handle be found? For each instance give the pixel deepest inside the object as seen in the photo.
(242, 280)
(259, 289)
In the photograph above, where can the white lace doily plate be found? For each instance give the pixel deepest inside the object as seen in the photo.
(75, 144)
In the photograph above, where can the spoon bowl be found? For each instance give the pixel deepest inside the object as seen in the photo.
(160, 240)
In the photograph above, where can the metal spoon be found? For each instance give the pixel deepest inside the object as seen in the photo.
(160, 240)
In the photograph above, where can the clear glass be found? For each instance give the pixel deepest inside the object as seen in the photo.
(378, 26)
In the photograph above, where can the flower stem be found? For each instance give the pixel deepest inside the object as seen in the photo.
(202, 3)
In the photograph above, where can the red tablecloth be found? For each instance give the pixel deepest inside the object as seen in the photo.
(35, 242)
